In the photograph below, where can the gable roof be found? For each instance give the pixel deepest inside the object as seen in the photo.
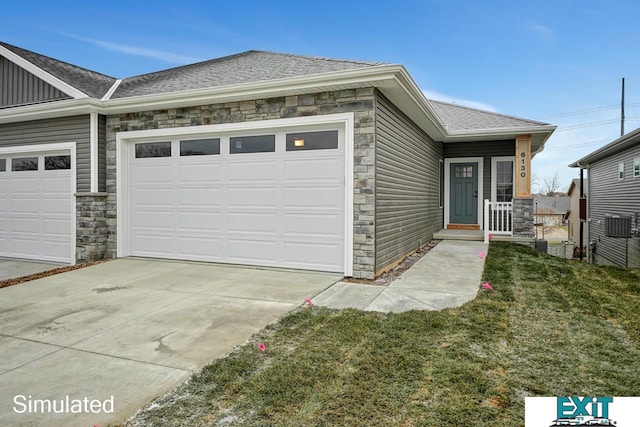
(246, 67)
(630, 139)
(457, 118)
(89, 82)
(575, 186)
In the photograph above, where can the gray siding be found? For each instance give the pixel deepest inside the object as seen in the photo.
(19, 87)
(608, 195)
(102, 153)
(486, 150)
(407, 185)
(65, 129)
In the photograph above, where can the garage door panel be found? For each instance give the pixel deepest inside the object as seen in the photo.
(251, 250)
(200, 248)
(146, 197)
(193, 173)
(253, 222)
(57, 226)
(201, 197)
(252, 196)
(152, 173)
(313, 197)
(56, 182)
(253, 171)
(57, 204)
(316, 225)
(149, 219)
(313, 169)
(200, 221)
(322, 255)
(149, 244)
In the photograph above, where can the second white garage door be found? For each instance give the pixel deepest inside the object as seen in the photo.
(36, 203)
(268, 199)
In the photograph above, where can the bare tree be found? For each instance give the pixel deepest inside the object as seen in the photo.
(545, 221)
(552, 185)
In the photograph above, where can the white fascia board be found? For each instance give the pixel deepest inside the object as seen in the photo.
(47, 110)
(41, 74)
(405, 80)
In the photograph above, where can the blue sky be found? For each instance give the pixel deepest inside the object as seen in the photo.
(556, 61)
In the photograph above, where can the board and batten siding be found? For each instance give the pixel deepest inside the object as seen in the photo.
(609, 195)
(484, 149)
(66, 129)
(20, 87)
(407, 185)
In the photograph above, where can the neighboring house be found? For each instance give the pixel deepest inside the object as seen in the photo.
(613, 202)
(258, 158)
(551, 211)
(573, 217)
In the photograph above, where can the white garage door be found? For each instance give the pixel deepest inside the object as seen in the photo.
(36, 205)
(268, 199)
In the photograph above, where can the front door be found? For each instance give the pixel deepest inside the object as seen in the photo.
(464, 193)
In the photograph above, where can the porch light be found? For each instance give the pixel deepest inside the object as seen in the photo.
(298, 142)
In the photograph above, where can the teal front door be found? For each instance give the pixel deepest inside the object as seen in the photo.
(463, 197)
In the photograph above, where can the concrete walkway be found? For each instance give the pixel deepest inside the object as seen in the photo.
(447, 276)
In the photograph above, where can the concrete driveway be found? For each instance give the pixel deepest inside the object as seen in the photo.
(128, 330)
(13, 268)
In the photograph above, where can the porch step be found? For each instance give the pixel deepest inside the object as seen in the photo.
(463, 227)
(455, 234)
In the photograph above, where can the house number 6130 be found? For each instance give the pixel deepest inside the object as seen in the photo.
(523, 164)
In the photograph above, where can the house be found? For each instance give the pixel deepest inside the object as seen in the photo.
(613, 202)
(575, 228)
(551, 210)
(257, 158)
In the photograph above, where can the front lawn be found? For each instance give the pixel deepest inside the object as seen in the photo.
(550, 327)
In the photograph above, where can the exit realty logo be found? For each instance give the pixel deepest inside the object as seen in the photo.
(581, 411)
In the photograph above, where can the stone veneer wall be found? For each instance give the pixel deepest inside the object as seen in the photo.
(91, 226)
(359, 101)
(523, 217)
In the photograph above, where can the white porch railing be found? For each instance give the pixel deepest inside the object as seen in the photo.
(498, 218)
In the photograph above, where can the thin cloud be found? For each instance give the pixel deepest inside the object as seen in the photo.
(541, 31)
(460, 101)
(160, 55)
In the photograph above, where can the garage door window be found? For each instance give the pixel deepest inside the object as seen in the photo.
(326, 140)
(52, 163)
(153, 149)
(3, 165)
(24, 164)
(253, 144)
(200, 147)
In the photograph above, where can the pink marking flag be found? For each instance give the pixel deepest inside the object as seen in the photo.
(308, 301)
(487, 286)
(262, 347)
(481, 254)
(490, 236)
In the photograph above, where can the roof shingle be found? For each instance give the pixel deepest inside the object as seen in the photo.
(246, 67)
(459, 118)
(89, 82)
